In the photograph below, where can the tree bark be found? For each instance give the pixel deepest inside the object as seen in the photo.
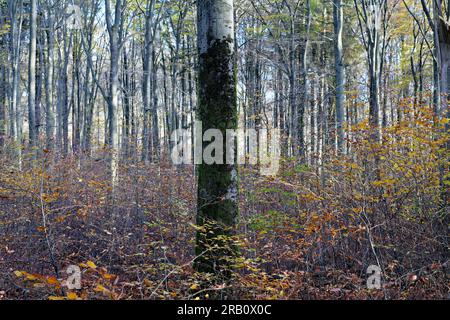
(443, 30)
(146, 82)
(304, 72)
(49, 108)
(338, 19)
(3, 84)
(32, 74)
(115, 25)
(217, 183)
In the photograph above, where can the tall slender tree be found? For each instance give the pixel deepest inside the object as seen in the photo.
(49, 65)
(32, 74)
(217, 183)
(338, 21)
(115, 26)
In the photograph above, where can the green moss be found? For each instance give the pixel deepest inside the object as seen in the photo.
(217, 211)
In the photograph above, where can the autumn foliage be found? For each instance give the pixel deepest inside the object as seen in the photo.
(309, 233)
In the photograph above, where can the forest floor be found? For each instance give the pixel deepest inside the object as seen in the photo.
(298, 238)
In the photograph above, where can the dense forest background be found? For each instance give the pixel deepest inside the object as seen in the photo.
(91, 91)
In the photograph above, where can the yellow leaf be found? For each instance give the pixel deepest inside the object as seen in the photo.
(72, 296)
(100, 288)
(31, 277)
(56, 298)
(91, 265)
(108, 276)
(18, 273)
(194, 286)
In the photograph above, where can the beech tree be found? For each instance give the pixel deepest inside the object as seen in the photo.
(217, 183)
(338, 21)
(32, 74)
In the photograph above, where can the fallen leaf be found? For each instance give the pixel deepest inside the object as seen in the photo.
(108, 276)
(72, 296)
(100, 288)
(18, 273)
(52, 280)
(194, 286)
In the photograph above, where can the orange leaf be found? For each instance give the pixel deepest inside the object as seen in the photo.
(52, 280)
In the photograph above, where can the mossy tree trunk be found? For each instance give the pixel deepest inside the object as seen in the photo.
(217, 183)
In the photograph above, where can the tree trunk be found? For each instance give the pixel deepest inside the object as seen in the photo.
(293, 123)
(127, 104)
(444, 45)
(91, 87)
(32, 74)
(115, 30)
(304, 72)
(63, 116)
(49, 108)
(155, 125)
(338, 19)
(76, 97)
(146, 84)
(3, 84)
(217, 183)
